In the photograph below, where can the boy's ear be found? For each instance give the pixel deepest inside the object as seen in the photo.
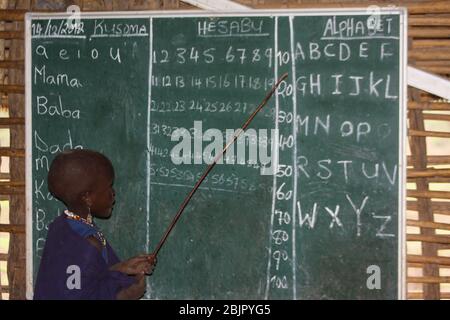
(86, 198)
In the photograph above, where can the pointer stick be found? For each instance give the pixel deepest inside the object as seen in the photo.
(199, 182)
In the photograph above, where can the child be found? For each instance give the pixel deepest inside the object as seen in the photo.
(77, 261)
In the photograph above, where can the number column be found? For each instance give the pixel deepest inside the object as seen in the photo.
(281, 266)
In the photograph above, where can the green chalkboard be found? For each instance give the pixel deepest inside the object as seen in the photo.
(326, 223)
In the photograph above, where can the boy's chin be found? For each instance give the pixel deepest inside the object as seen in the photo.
(104, 215)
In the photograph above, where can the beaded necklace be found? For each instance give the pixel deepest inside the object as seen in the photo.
(89, 222)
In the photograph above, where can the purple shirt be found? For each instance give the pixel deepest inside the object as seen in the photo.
(65, 248)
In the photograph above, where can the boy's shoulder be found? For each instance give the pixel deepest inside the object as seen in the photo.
(60, 230)
(95, 242)
(59, 227)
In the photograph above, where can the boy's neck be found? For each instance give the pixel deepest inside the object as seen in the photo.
(83, 212)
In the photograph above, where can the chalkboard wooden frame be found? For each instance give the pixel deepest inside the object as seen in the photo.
(148, 14)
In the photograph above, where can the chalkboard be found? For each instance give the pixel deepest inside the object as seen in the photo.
(328, 224)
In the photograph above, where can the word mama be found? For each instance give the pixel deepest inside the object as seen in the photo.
(60, 79)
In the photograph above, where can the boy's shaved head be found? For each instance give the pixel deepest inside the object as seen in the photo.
(74, 172)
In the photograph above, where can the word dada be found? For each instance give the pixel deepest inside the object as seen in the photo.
(181, 153)
(43, 146)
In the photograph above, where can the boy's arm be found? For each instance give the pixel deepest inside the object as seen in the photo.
(138, 266)
(135, 291)
(98, 282)
(142, 264)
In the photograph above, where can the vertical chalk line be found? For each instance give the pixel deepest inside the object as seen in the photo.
(294, 160)
(275, 149)
(150, 70)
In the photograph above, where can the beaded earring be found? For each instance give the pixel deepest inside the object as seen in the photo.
(89, 216)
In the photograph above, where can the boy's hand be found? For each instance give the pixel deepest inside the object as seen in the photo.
(152, 263)
(142, 264)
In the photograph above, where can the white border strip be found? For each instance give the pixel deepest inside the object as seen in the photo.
(428, 82)
(217, 4)
(28, 164)
(403, 56)
(201, 13)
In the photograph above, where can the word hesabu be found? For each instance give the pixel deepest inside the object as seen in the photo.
(182, 152)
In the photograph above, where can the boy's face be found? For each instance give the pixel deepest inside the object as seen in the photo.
(102, 196)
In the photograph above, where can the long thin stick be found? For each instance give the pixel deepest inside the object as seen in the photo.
(209, 168)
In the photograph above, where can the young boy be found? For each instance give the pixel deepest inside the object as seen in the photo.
(77, 261)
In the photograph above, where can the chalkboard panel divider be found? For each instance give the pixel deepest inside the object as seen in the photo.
(274, 181)
(150, 74)
(294, 157)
